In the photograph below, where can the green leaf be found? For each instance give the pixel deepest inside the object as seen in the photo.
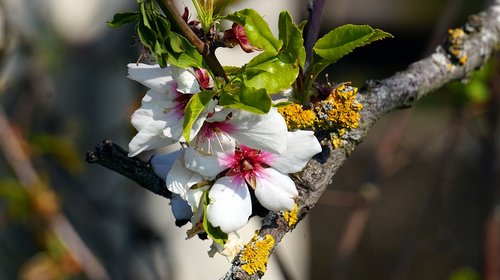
(378, 35)
(166, 46)
(247, 98)
(193, 109)
(342, 40)
(188, 57)
(122, 19)
(257, 30)
(255, 100)
(147, 36)
(293, 44)
(215, 233)
(271, 72)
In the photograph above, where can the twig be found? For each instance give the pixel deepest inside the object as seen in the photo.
(112, 156)
(311, 32)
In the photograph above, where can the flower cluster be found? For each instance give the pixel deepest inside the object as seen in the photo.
(231, 155)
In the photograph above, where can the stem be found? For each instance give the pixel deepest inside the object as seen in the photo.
(311, 32)
(180, 26)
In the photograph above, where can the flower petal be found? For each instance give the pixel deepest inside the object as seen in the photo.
(180, 179)
(186, 80)
(152, 76)
(230, 204)
(275, 190)
(263, 132)
(207, 165)
(148, 139)
(302, 145)
(194, 197)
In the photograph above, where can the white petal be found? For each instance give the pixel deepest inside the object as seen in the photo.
(230, 204)
(206, 165)
(162, 163)
(263, 132)
(219, 115)
(173, 129)
(152, 76)
(152, 110)
(180, 179)
(180, 208)
(142, 118)
(302, 145)
(147, 139)
(186, 81)
(275, 190)
(194, 197)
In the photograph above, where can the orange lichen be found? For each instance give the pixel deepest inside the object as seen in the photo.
(256, 253)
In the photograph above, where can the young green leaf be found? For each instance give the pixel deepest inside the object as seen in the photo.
(257, 30)
(256, 100)
(247, 98)
(215, 233)
(293, 44)
(166, 46)
(378, 35)
(193, 109)
(342, 40)
(269, 71)
(122, 19)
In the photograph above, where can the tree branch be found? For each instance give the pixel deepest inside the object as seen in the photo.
(113, 157)
(402, 90)
(454, 60)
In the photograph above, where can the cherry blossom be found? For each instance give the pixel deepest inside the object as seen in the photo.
(264, 172)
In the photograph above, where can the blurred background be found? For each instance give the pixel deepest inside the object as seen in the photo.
(416, 200)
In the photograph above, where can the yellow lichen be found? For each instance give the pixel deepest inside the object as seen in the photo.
(463, 59)
(454, 46)
(456, 33)
(296, 117)
(340, 110)
(256, 254)
(335, 114)
(291, 216)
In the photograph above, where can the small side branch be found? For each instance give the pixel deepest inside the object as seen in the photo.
(113, 157)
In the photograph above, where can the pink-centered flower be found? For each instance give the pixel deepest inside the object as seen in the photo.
(266, 173)
(226, 129)
(159, 120)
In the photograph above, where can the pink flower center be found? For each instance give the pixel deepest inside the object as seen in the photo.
(248, 163)
(180, 103)
(209, 129)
